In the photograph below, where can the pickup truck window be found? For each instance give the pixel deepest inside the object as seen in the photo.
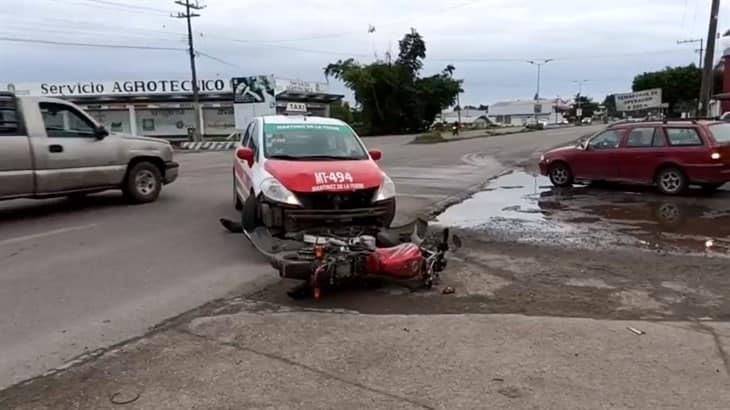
(62, 121)
(8, 116)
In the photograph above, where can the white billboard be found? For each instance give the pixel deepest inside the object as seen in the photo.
(252, 96)
(116, 87)
(639, 100)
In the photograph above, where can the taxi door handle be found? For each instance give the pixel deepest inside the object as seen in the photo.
(55, 148)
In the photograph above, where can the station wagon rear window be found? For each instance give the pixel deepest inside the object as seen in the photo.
(683, 137)
(721, 132)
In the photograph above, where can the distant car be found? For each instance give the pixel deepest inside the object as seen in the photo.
(587, 121)
(293, 173)
(670, 155)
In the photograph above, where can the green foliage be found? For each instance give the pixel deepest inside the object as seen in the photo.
(680, 85)
(342, 111)
(586, 104)
(394, 97)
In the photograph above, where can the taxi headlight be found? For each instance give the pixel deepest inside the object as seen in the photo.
(386, 190)
(275, 191)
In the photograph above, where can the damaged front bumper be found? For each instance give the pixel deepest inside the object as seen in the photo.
(288, 218)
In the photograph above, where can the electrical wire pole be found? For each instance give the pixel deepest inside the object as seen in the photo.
(706, 88)
(197, 135)
(539, 65)
(577, 99)
(700, 50)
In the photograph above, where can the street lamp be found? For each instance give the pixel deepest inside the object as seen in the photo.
(539, 64)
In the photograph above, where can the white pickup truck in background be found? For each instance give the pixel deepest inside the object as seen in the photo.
(50, 147)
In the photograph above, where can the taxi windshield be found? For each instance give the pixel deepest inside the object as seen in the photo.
(311, 142)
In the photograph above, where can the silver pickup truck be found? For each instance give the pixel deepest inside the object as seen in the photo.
(50, 147)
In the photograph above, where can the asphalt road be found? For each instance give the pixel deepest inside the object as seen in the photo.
(80, 276)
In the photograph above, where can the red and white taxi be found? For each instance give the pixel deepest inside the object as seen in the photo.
(292, 173)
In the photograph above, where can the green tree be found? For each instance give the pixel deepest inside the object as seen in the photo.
(394, 98)
(342, 111)
(587, 105)
(680, 86)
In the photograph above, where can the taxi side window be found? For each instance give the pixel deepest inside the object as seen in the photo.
(251, 143)
(246, 135)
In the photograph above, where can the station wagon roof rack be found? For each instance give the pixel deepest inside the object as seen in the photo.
(692, 120)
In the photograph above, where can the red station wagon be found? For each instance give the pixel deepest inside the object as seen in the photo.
(670, 155)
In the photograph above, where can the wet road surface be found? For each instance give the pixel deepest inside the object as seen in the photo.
(522, 207)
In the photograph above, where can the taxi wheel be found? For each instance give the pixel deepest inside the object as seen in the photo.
(561, 175)
(249, 213)
(236, 200)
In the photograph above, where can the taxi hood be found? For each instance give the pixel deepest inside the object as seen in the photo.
(318, 176)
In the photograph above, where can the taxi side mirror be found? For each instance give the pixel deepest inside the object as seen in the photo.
(376, 154)
(245, 154)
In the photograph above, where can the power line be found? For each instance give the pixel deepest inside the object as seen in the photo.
(129, 6)
(214, 58)
(81, 44)
(109, 7)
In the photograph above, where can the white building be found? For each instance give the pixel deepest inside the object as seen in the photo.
(164, 108)
(469, 118)
(523, 112)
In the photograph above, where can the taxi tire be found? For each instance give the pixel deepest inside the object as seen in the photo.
(236, 200)
(249, 213)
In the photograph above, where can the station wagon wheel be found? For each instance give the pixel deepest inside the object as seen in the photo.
(560, 175)
(671, 181)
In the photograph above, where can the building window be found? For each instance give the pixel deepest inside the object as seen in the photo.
(148, 124)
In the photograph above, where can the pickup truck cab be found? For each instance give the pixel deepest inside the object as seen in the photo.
(50, 147)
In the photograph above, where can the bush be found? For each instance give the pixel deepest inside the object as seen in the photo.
(429, 138)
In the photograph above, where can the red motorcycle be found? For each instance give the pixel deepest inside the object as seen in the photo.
(327, 259)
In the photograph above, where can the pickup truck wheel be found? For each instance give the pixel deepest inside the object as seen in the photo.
(143, 183)
(250, 213)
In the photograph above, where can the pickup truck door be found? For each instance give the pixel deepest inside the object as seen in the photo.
(70, 156)
(16, 161)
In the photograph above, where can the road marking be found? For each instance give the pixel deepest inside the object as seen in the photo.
(45, 234)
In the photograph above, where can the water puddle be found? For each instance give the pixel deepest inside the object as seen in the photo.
(526, 208)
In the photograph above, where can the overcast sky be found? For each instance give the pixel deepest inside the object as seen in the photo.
(603, 42)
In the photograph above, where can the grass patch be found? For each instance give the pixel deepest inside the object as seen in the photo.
(432, 137)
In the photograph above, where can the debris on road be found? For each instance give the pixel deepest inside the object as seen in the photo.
(635, 330)
(122, 397)
(448, 290)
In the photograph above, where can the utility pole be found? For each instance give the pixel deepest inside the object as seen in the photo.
(198, 135)
(706, 88)
(577, 100)
(701, 50)
(539, 64)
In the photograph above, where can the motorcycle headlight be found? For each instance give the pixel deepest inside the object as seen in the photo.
(274, 190)
(386, 190)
